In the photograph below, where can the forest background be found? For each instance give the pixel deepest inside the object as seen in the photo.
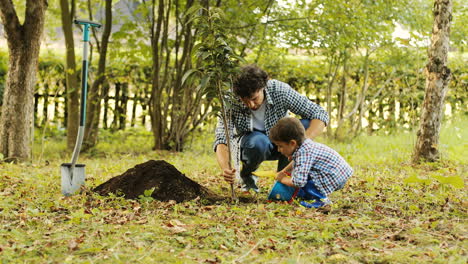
(362, 61)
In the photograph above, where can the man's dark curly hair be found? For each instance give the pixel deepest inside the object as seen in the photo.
(249, 81)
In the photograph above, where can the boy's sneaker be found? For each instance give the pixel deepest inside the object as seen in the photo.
(316, 203)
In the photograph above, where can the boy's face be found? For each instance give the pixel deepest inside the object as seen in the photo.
(255, 101)
(286, 148)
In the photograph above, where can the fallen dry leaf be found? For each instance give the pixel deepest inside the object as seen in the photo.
(175, 226)
(72, 245)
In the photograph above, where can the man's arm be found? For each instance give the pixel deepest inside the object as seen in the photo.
(316, 127)
(222, 156)
(301, 105)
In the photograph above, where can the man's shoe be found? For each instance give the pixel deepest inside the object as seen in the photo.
(250, 183)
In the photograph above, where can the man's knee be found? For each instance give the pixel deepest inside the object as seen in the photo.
(256, 146)
(305, 123)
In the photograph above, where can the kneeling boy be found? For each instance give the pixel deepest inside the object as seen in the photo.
(316, 169)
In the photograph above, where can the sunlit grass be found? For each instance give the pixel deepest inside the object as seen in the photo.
(390, 211)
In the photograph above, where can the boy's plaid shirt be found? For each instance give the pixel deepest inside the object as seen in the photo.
(280, 98)
(321, 164)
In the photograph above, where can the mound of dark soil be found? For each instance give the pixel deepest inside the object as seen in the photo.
(167, 181)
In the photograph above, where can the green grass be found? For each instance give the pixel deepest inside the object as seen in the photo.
(390, 212)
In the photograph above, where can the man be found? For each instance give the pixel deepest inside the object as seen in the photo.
(261, 104)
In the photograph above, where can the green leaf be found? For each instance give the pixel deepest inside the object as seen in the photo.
(148, 193)
(192, 10)
(188, 74)
(205, 80)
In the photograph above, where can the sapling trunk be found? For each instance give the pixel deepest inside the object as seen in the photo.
(226, 132)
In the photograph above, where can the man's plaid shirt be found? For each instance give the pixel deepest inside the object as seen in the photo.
(280, 98)
(321, 164)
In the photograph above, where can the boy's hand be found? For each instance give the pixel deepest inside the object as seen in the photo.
(229, 175)
(280, 175)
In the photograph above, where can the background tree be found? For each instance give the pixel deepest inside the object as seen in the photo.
(437, 80)
(175, 108)
(332, 51)
(67, 13)
(23, 44)
(95, 94)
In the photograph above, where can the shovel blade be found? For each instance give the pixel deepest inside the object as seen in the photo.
(72, 181)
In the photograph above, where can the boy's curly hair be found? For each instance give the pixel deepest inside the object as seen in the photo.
(250, 80)
(287, 129)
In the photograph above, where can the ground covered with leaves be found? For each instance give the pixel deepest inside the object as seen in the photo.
(390, 212)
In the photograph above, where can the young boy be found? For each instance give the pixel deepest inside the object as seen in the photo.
(316, 169)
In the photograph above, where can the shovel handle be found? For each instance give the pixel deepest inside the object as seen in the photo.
(84, 86)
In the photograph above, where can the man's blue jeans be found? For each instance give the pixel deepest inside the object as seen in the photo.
(256, 147)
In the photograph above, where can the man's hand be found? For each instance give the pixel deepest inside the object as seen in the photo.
(229, 175)
(222, 156)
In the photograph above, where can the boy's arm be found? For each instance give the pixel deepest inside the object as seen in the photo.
(284, 179)
(301, 167)
(284, 173)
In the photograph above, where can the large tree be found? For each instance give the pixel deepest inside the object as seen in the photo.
(72, 97)
(95, 96)
(24, 41)
(437, 80)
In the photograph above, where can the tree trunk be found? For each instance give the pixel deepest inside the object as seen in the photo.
(331, 81)
(45, 107)
(390, 121)
(94, 96)
(65, 101)
(342, 93)
(371, 118)
(23, 45)
(157, 126)
(437, 79)
(362, 98)
(36, 107)
(123, 106)
(134, 106)
(105, 95)
(115, 121)
(144, 106)
(56, 102)
(72, 91)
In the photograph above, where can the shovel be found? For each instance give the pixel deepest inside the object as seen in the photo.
(265, 174)
(73, 175)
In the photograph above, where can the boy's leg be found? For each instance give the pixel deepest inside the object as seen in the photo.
(256, 147)
(310, 192)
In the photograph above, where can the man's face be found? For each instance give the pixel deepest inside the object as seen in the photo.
(255, 101)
